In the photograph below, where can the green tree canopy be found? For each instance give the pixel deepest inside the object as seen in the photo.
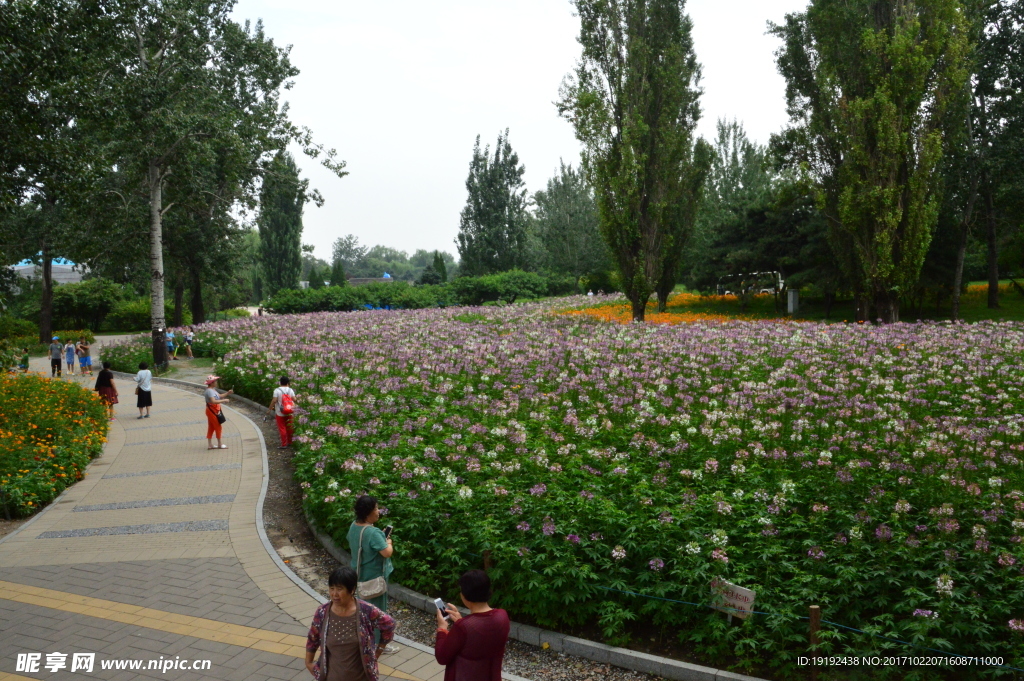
(282, 199)
(867, 85)
(633, 102)
(492, 232)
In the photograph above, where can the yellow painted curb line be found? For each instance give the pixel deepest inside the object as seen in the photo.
(161, 620)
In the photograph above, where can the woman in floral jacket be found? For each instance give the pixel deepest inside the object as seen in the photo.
(343, 631)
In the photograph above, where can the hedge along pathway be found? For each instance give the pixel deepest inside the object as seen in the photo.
(159, 552)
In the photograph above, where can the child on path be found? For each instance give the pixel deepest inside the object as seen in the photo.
(69, 356)
(190, 335)
(24, 361)
(172, 349)
(84, 358)
(283, 411)
(55, 350)
(144, 389)
(105, 387)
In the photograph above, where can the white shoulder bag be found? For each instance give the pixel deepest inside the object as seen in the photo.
(373, 588)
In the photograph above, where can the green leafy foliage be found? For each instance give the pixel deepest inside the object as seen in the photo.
(134, 315)
(49, 431)
(493, 225)
(633, 101)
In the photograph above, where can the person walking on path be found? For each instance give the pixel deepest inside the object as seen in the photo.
(55, 357)
(24, 361)
(283, 409)
(349, 633)
(214, 415)
(475, 646)
(69, 356)
(84, 358)
(371, 552)
(144, 389)
(105, 387)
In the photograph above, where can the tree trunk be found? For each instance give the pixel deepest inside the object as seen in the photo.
(156, 261)
(829, 300)
(639, 307)
(887, 306)
(179, 295)
(993, 252)
(46, 304)
(196, 301)
(958, 274)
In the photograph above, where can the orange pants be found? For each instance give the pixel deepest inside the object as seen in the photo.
(213, 426)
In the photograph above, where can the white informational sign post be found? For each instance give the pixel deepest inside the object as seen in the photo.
(793, 296)
(731, 599)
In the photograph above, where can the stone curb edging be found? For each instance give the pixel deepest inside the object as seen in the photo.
(535, 636)
(260, 529)
(560, 643)
(259, 513)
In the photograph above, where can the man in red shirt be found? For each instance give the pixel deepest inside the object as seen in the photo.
(474, 648)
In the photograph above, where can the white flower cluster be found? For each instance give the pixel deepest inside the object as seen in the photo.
(693, 548)
(944, 585)
(719, 538)
(465, 492)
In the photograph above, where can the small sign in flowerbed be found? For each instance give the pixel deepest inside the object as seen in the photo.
(49, 431)
(872, 470)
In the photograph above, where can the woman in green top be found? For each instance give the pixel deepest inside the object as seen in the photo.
(377, 549)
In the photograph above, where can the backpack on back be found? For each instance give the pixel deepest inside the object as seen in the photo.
(287, 404)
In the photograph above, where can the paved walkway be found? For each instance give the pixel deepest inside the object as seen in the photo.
(157, 555)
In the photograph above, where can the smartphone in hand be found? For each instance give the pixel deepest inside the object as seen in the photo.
(441, 606)
(387, 531)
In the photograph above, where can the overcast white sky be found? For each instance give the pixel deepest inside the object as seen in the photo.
(401, 89)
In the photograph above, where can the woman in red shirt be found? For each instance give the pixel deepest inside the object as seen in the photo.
(474, 648)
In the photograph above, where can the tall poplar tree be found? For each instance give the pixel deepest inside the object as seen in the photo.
(492, 232)
(280, 223)
(868, 82)
(633, 102)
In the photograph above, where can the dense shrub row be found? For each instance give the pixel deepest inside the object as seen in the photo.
(49, 431)
(507, 287)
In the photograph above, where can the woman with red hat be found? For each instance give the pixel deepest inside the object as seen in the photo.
(214, 416)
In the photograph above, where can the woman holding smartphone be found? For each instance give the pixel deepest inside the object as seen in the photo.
(371, 551)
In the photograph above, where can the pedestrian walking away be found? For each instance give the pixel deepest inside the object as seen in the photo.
(214, 415)
(371, 550)
(69, 356)
(106, 388)
(349, 633)
(283, 404)
(84, 357)
(144, 389)
(55, 357)
(475, 646)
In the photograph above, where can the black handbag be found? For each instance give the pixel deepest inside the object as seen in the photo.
(220, 414)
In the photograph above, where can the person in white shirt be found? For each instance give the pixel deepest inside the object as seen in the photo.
(284, 420)
(144, 389)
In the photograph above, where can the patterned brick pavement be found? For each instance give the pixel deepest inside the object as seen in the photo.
(156, 554)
